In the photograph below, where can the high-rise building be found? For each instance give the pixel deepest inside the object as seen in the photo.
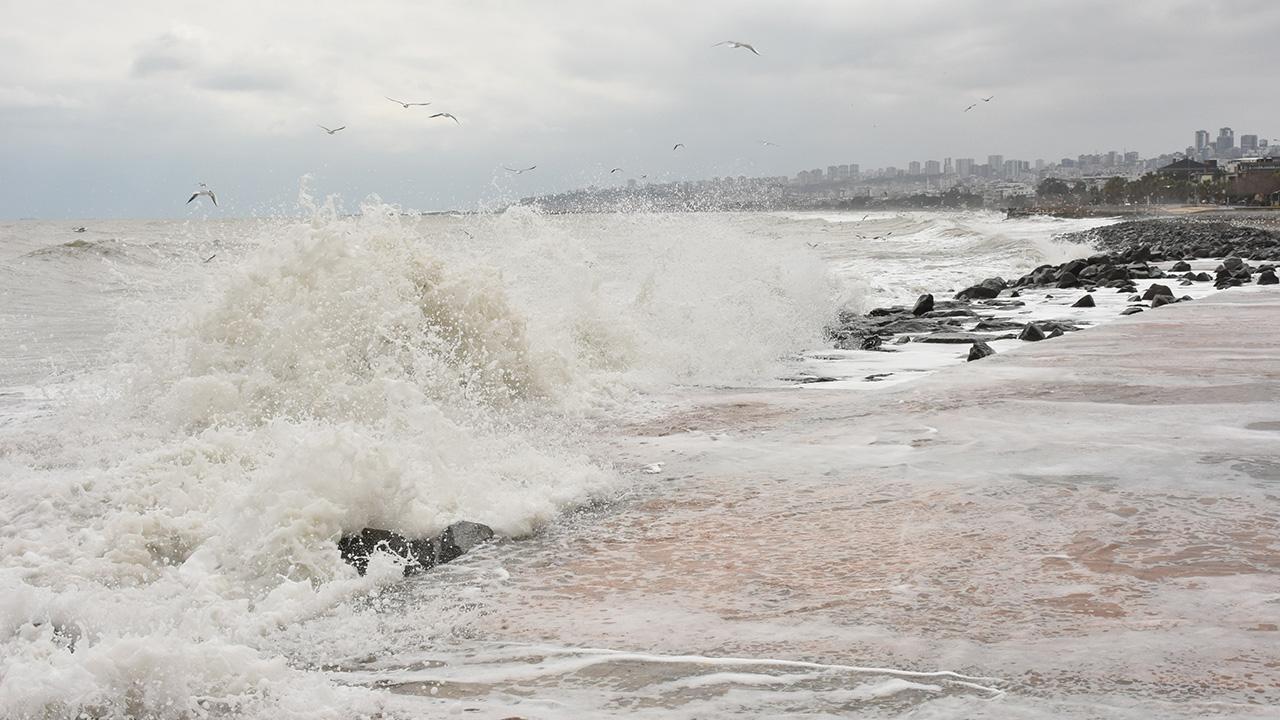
(964, 167)
(1131, 157)
(1248, 142)
(932, 167)
(854, 171)
(1226, 139)
(947, 167)
(913, 167)
(842, 172)
(832, 173)
(996, 163)
(1039, 164)
(1202, 139)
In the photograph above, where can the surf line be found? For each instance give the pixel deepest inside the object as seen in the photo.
(587, 657)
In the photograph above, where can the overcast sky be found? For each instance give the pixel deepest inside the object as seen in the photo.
(119, 109)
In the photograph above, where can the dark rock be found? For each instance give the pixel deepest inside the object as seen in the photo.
(421, 554)
(1202, 277)
(993, 325)
(912, 325)
(977, 292)
(1056, 332)
(1157, 289)
(902, 340)
(1072, 268)
(1180, 266)
(980, 350)
(955, 312)
(923, 305)
(1130, 310)
(880, 312)
(1268, 277)
(1031, 333)
(871, 342)
(1091, 272)
(1014, 294)
(1160, 300)
(950, 337)
(1135, 298)
(1084, 302)
(1184, 283)
(1233, 265)
(1067, 280)
(994, 283)
(1051, 325)
(810, 379)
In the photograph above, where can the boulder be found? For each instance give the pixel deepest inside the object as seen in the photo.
(950, 337)
(1202, 277)
(923, 305)
(1268, 277)
(977, 292)
(1031, 333)
(1131, 310)
(1180, 266)
(993, 325)
(980, 350)
(871, 342)
(1233, 265)
(1056, 332)
(1068, 280)
(1157, 289)
(418, 554)
(1160, 300)
(1084, 302)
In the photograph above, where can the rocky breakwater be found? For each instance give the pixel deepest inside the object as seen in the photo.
(996, 309)
(1184, 238)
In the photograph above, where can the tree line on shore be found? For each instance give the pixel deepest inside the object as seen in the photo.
(1247, 189)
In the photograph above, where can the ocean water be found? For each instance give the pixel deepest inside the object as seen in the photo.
(192, 412)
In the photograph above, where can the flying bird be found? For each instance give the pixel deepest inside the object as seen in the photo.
(404, 104)
(677, 146)
(988, 99)
(615, 170)
(971, 107)
(766, 142)
(446, 115)
(79, 229)
(519, 170)
(333, 131)
(211, 257)
(207, 192)
(736, 44)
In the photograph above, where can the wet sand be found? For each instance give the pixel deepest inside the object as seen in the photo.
(1088, 527)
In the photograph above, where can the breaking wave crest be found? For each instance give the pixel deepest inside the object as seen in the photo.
(346, 372)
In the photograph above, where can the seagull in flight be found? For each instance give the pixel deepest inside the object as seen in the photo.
(446, 115)
(677, 146)
(519, 170)
(404, 104)
(333, 131)
(615, 170)
(769, 144)
(205, 192)
(971, 107)
(988, 99)
(736, 44)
